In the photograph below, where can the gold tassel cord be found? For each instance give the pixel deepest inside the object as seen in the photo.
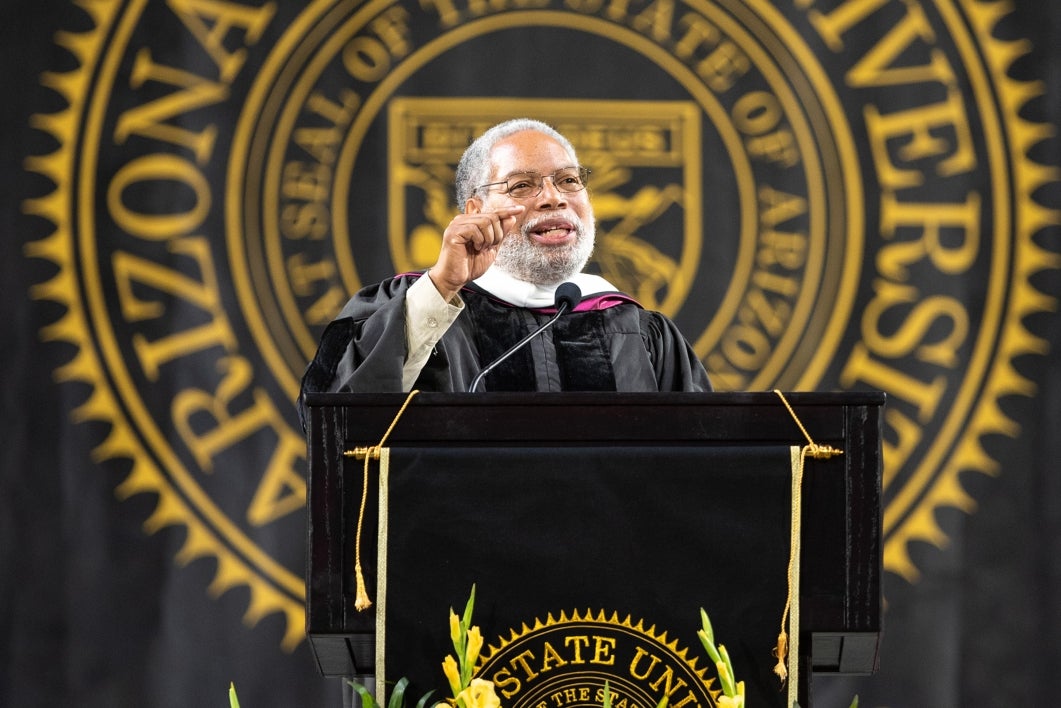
(361, 600)
(818, 452)
(785, 642)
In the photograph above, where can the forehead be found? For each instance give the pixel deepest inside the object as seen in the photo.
(529, 151)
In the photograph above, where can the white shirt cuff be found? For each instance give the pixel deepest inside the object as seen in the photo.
(427, 317)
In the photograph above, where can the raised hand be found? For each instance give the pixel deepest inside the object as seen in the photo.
(469, 247)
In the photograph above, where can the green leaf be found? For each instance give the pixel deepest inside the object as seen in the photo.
(709, 646)
(367, 699)
(397, 699)
(467, 620)
(726, 672)
(706, 622)
(422, 703)
(233, 700)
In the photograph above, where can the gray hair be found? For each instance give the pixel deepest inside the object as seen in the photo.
(474, 167)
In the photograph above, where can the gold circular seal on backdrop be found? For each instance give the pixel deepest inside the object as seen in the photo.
(822, 198)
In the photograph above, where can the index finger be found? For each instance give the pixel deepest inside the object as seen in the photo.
(506, 211)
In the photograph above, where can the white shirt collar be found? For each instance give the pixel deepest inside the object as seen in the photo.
(517, 292)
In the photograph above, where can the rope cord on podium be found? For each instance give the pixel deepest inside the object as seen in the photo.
(788, 642)
(362, 601)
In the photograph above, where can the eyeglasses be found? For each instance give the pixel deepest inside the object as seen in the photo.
(530, 184)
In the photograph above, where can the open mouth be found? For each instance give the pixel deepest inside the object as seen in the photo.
(553, 231)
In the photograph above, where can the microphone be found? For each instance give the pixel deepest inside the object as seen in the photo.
(568, 295)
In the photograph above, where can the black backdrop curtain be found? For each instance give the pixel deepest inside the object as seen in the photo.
(152, 546)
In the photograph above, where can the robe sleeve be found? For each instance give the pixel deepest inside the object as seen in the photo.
(364, 348)
(677, 367)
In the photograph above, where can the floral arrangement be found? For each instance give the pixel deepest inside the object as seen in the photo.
(470, 691)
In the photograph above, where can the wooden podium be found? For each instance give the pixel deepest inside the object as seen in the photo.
(619, 436)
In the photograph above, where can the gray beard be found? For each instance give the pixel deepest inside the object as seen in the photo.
(521, 258)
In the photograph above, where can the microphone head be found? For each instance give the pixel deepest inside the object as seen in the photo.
(569, 295)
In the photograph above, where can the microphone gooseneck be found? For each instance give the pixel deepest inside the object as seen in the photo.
(567, 297)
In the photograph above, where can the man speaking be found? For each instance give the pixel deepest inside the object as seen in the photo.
(506, 307)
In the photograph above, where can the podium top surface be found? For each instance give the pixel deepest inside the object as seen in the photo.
(728, 398)
(592, 418)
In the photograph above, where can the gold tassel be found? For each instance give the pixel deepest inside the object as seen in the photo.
(790, 614)
(781, 652)
(361, 599)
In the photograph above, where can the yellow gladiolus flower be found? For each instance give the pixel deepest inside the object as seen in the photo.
(475, 645)
(480, 694)
(454, 627)
(730, 702)
(449, 667)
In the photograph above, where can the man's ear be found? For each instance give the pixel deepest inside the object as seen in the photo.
(474, 205)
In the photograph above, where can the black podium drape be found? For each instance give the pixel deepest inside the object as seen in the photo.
(652, 534)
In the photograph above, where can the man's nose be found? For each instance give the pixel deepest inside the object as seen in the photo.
(551, 197)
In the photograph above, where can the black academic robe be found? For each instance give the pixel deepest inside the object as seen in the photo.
(606, 344)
